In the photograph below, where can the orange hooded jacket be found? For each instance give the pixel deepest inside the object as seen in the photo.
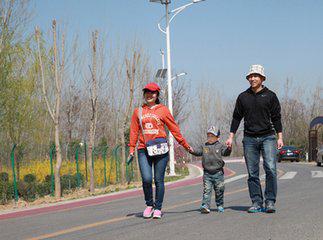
(154, 120)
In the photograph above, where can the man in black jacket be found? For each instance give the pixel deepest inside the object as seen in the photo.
(260, 109)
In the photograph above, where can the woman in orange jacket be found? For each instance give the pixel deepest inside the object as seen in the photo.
(148, 122)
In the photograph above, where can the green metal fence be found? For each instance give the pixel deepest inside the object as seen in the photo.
(109, 169)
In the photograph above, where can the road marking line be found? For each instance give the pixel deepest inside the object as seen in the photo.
(81, 227)
(263, 177)
(96, 224)
(317, 174)
(119, 219)
(288, 175)
(235, 178)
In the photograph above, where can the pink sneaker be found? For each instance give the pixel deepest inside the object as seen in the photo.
(157, 214)
(148, 213)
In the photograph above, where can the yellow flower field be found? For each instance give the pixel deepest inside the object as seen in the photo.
(42, 168)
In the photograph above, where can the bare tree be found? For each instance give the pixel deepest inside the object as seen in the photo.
(57, 66)
(94, 106)
(131, 68)
(72, 100)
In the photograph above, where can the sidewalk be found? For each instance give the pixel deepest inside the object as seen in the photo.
(194, 177)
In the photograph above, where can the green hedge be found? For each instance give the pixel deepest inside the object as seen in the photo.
(6, 192)
(29, 189)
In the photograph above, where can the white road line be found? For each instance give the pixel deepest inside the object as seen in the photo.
(288, 175)
(317, 174)
(235, 178)
(263, 177)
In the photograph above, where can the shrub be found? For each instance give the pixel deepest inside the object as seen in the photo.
(43, 188)
(4, 177)
(29, 178)
(27, 191)
(48, 178)
(68, 182)
(6, 192)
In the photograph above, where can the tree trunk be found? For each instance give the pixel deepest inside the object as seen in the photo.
(123, 156)
(58, 163)
(90, 158)
(94, 107)
(54, 113)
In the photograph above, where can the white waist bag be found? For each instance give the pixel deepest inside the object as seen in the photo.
(157, 146)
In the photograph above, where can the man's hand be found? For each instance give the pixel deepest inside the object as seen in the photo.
(280, 143)
(230, 140)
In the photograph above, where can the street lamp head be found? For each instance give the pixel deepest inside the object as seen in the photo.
(181, 74)
(160, 1)
(197, 1)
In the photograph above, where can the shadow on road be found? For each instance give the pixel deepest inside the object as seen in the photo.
(238, 208)
(139, 214)
(187, 211)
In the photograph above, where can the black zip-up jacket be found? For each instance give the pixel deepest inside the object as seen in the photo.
(261, 113)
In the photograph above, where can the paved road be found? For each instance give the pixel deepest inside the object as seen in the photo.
(299, 214)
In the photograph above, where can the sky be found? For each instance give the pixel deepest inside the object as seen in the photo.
(213, 41)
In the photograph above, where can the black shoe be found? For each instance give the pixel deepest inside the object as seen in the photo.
(270, 207)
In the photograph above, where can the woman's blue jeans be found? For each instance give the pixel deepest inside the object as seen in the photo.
(145, 164)
(267, 147)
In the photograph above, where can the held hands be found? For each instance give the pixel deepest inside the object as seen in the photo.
(229, 143)
(190, 150)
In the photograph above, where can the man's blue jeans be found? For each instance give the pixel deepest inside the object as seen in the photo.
(215, 181)
(253, 147)
(145, 164)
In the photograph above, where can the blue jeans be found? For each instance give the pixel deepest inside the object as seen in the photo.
(145, 164)
(215, 181)
(253, 147)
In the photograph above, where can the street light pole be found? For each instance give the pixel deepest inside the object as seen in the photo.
(169, 70)
(170, 94)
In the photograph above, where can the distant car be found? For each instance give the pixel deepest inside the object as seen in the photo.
(289, 153)
(319, 158)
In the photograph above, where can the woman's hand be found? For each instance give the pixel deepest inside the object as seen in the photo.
(130, 158)
(190, 150)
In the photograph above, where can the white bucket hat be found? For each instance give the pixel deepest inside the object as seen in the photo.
(257, 69)
(215, 131)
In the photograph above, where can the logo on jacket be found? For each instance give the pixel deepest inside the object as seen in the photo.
(205, 150)
(149, 125)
